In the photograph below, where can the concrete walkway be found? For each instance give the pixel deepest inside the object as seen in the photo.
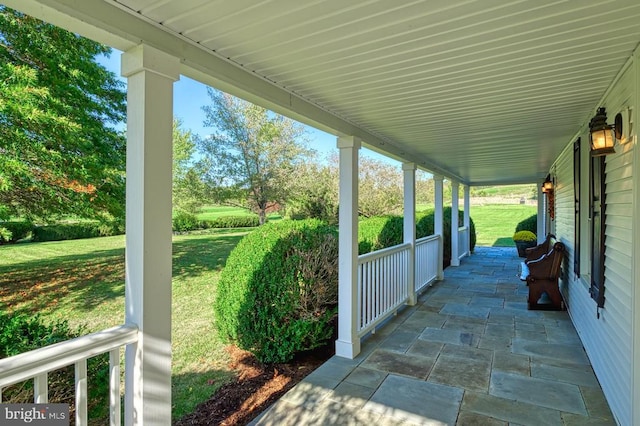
(469, 353)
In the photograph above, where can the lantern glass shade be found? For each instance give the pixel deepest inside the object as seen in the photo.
(602, 141)
(547, 186)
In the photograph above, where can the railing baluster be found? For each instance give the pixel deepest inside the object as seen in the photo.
(81, 392)
(41, 389)
(114, 387)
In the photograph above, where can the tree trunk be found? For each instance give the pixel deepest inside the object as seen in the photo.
(262, 215)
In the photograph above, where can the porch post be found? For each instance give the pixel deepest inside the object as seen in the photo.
(438, 222)
(409, 226)
(467, 218)
(150, 75)
(348, 343)
(541, 224)
(455, 186)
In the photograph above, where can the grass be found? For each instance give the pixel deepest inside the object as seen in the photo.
(496, 223)
(212, 212)
(83, 281)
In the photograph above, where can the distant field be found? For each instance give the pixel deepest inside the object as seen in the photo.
(496, 223)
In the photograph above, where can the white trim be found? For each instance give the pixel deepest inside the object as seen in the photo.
(409, 226)
(438, 227)
(348, 343)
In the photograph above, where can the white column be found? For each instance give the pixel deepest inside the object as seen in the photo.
(455, 187)
(438, 222)
(467, 218)
(409, 226)
(150, 76)
(542, 199)
(348, 343)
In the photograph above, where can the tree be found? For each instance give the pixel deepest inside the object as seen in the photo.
(380, 188)
(59, 151)
(316, 192)
(249, 159)
(188, 189)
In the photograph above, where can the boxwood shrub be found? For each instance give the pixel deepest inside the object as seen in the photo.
(277, 294)
(16, 231)
(528, 224)
(231, 222)
(380, 232)
(75, 231)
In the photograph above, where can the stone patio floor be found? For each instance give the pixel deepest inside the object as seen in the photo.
(469, 353)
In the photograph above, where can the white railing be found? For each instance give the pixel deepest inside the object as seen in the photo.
(382, 285)
(463, 241)
(38, 363)
(426, 261)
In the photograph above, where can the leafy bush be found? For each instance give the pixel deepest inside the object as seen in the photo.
(380, 232)
(524, 236)
(528, 224)
(75, 231)
(15, 231)
(376, 233)
(21, 333)
(231, 222)
(277, 294)
(183, 222)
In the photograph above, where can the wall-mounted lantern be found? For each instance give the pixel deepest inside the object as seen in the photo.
(602, 135)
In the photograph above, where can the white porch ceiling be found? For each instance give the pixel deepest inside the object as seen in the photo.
(484, 91)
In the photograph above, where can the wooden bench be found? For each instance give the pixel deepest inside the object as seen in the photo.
(544, 273)
(541, 249)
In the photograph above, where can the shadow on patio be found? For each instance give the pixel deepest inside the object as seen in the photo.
(468, 353)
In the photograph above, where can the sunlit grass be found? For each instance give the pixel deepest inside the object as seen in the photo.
(496, 223)
(83, 281)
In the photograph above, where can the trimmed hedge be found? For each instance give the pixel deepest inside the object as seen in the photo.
(277, 294)
(528, 224)
(380, 232)
(74, 231)
(232, 222)
(18, 231)
(183, 222)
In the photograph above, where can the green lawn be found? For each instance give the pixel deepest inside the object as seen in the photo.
(495, 224)
(83, 281)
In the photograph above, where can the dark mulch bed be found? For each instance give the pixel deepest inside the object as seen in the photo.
(256, 387)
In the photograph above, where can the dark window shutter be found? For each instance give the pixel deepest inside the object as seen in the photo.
(597, 229)
(576, 219)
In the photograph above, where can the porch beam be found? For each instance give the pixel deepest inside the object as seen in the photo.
(455, 189)
(541, 220)
(150, 75)
(409, 226)
(438, 222)
(348, 343)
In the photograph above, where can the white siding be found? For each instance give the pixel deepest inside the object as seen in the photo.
(608, 339)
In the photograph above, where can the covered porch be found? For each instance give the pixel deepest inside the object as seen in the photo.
(469, 352)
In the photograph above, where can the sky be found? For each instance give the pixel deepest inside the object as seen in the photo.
(189, 96)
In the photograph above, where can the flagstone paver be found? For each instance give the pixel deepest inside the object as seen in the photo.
(468, 353)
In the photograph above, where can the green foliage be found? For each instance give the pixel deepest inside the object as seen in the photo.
(59, 152)
(380, 232)
(74, 231)
(187, 188)
(21, 333)
(250, 157)
(277, 294)
(524, 236)
(528, 224)
(16, 231)
(376, 233)
(232, 222)
(183, 222)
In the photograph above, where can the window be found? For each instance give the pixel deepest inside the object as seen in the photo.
(576, 217)
(597, 201)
